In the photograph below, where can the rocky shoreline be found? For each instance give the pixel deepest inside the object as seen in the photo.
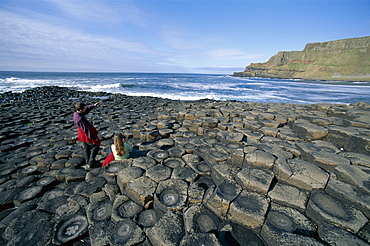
(317, 61)
(201, 173)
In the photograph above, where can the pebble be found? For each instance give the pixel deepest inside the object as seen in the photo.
(201, 172)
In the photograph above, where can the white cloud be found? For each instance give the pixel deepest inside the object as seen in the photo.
(40, 41)
(101, 11)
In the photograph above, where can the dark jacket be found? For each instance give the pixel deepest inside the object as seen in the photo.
(86, 131)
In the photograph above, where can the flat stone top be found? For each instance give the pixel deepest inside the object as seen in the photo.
(307, 175)
(143, 186)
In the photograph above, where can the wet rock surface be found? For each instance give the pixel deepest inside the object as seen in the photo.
(201, 172)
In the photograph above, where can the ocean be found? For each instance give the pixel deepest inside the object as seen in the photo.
(195, 86)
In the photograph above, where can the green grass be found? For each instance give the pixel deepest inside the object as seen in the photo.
(349, 63)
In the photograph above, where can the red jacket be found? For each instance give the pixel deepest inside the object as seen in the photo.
(86, 131)
(84, 138)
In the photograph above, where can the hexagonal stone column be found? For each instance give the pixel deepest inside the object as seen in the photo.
(127, 174)
(148, 218)
(124, 208)
(332, 235)
(282, 221)
(309, 131)
(158, 173)
(249, 209)
(303, 174)
(256, 180)
(289, 196)
(27, 194)
(259, 159)
(340, 135)
(359, 144)
(171, 195)
(169, 230)
(140, 190)
(219, 199)
(349, 194)
(326, 160)
(211, 155)
(199, 219)
(99, 211)
(126, 232)
(223, 172)
(354, 175)
(323, 208)
(70, 228)
(357, 158)
(22, 229)
(158, 154)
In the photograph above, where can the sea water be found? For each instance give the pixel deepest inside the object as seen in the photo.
(194, 86)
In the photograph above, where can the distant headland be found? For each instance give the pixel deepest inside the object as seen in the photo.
(344, 59)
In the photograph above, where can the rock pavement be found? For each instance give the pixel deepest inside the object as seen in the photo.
(201, 172)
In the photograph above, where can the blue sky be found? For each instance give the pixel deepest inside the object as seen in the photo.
(175, 36)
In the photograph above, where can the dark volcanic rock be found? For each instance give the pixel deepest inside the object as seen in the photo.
(24, 231)
(201, 172)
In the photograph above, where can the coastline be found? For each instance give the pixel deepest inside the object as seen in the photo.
(197, 87)
(344, 59)
(337, 78)
(217, 172)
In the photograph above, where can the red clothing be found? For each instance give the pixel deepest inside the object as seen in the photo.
(86, 131)
(84, 138)
(107, 160)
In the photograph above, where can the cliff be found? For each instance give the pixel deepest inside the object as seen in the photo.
(345, 59)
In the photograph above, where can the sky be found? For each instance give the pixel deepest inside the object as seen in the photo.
(167, 36)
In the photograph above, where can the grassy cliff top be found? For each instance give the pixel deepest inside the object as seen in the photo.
(345, 59)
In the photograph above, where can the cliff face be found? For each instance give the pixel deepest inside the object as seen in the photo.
(345, 59)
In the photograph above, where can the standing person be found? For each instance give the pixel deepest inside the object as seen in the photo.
(87, 133)
(120, 149)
